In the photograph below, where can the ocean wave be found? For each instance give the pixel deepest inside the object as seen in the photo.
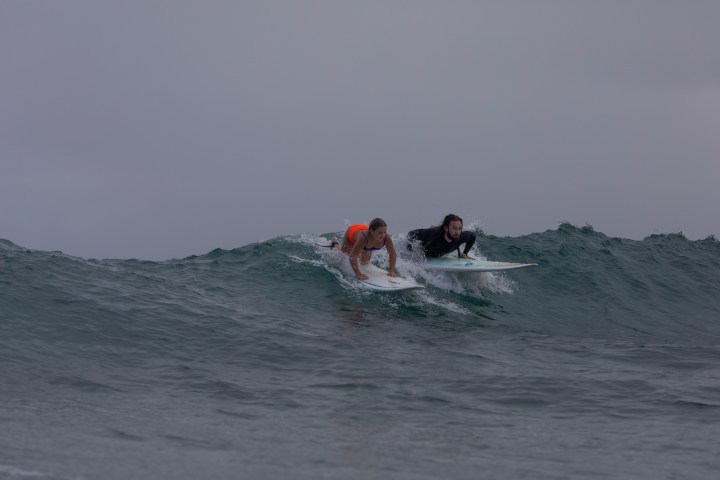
(585, 284)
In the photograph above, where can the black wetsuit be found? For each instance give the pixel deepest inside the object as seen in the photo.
(434, 244)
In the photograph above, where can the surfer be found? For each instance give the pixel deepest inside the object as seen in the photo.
(361, 240)
(443, 239)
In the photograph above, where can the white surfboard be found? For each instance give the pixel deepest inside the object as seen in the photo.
(454, 264)
(379, 281)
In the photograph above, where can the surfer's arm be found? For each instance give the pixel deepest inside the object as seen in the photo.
(411, 238)
(415, 242)
(426, 237)
(468, 238)
(354, 254)
(392, 254)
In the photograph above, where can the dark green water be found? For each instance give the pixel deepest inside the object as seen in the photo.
(267, 361)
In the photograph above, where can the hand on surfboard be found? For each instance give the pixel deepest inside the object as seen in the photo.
(362, 276)
(376, 279)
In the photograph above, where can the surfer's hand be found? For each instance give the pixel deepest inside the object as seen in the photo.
(392, 274)
(362, 276)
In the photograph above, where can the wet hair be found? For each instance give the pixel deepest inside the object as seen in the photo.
(440, 229)
(377, 223)
(450, 218)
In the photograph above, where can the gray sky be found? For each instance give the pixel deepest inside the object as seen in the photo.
(160, 129)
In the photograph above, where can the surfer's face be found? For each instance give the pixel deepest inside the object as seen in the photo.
(454, 230)
(379, 233)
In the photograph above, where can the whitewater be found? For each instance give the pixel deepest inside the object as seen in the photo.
(268, 361)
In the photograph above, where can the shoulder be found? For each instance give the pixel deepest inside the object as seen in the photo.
(422, 232)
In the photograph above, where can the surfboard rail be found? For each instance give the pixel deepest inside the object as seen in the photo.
(450, 264)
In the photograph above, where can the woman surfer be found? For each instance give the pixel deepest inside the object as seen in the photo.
(361, 240)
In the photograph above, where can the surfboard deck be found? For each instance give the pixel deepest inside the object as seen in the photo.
(454, 264)
(379, 281)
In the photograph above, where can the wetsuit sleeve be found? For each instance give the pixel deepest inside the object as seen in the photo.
(412, 236)
(424, 236)
(468, 238)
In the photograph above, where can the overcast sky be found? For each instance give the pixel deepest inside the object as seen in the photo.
(161, 129)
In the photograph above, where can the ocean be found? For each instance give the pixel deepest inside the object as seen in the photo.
(269, 362)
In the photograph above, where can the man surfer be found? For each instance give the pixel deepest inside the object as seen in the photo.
(443, 239)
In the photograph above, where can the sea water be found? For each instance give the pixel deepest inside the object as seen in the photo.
(268, 361)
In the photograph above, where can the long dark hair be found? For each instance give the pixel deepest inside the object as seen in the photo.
(440, 229)
(450, 218)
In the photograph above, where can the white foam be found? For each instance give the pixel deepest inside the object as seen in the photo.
(409, 264)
